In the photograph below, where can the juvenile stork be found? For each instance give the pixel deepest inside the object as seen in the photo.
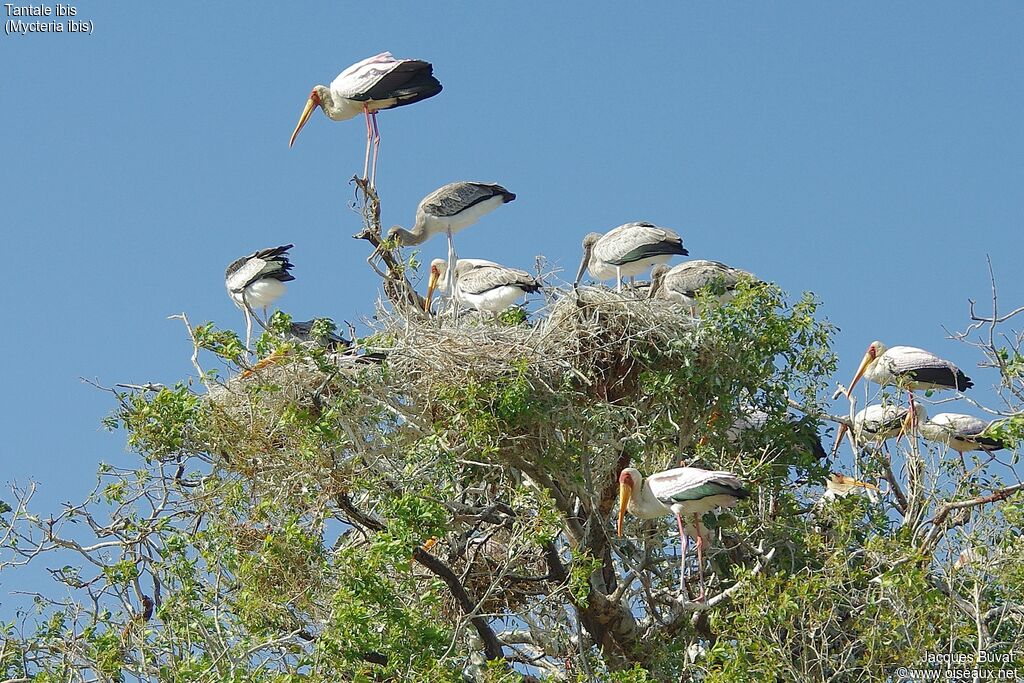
(686, 492)
(449, 209)
(682, 282)
(962, 433)
(909, 368)
(876, 423)
(482, 285)
(628, 251)
(366, 87)
(257, 280)
(840, 486)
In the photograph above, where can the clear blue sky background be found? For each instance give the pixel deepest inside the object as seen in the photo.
(872, 153)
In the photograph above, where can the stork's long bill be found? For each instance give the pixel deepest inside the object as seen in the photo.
(625, 491)
(869, 358)
(435, 275)
(311, 104)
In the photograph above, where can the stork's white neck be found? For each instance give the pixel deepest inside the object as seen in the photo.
(644, 504)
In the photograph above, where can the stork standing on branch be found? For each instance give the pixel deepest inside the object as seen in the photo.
(366, 87)
(686, 492)
(876, 423)
(908, 368)
(449, 209)
(962, 433)
(628, 251)
(483, 285)
(257, 280)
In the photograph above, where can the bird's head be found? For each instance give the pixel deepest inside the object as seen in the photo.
(315, 100)
(657, 279)
(629, 479)
(588, 246)
(438, 268)
(875, 349)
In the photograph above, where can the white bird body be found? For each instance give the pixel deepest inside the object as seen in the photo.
(876, 423)
(686, 492)
(257, 280)
(962, 433)
(628, 250)
(482, 285)
(260, 294)
(681, 283)
(909, 367)
(371, 85)
(451, 208)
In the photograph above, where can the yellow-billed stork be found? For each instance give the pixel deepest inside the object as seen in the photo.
(876, 423)
(682, 282)
(366, 87)
(908, 368)
(962, 433)
(483, 285)
(686, 492)
(257, 280)
(447, 210)
(628, 251)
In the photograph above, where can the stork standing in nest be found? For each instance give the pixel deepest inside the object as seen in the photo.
(447, 210)
(256, 281)
(628, 251)
(485, 286)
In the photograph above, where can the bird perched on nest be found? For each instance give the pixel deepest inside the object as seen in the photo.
(485, 286)
(686, 492)
(322, 335)
(366, 87)
(628, 251)
(681, 283)
(257, 280)
(447, 210)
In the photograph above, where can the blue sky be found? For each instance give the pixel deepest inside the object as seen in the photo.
(872, 153)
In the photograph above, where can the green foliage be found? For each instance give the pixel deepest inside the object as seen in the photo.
(321, 517)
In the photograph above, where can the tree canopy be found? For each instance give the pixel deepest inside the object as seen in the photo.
(436, 502)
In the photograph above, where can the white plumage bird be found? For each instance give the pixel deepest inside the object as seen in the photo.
(962, 433)
(366, 87)
(909, 368)
(876, 423)
(628, 251)
(682, 282)
(686, 492)
(485, 286)
(447, 210)
(257, 280)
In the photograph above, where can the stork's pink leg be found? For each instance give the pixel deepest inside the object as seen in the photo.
(700, 559)
(913, 415)
(369, 141)
(684, 541)
(376, 148)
